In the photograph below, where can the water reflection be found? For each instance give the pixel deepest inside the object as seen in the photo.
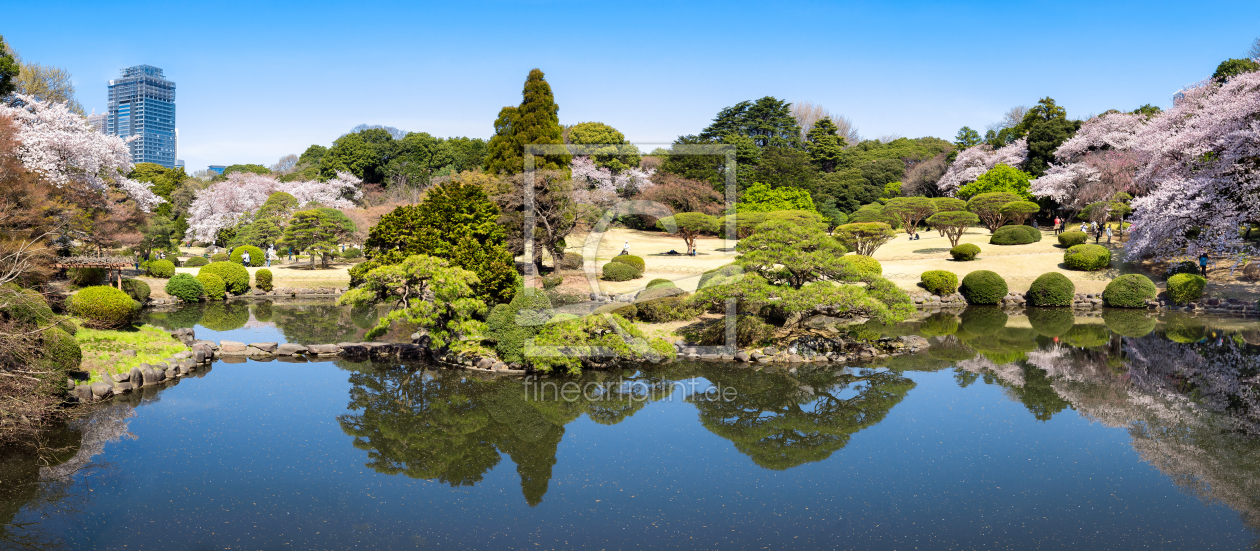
(300, 322)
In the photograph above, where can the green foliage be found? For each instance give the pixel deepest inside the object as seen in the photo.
(352, 252)
(1129, 291)
(939, 282)
(1086, 336)
(225, 316)
(939, 324)
(620, 271)
(1011, 235)
(256, 255)
(1051, 322)
(1051, 289)
(965, 252)
(1018, 211)
(535, 121)
(84, 277)
(988, 207)
(689, 226)
(103, 306)
(785, 253)
(186, 288)
(1234, 67)
(25, 307)
(984, 320)
(1186, 288)
(768, 122)
(659, 282)
(720, 276)
(1129, 323)
(1185, 329)
(59, 353)
(1182, 267)
(760, 197)
(824, 145)
(953, 223)
(9, 70)
(262, 279)
(1033, 233)
(879, 300)
(613, 151)
(865, 264)
(966, 137)
(671, 307)
(212, 286)
(749, 331)
(999, 179)
(450, 316)
(235, 277)
(591, 335)
(864, 238)
(632, 260)
(1072, 238)
(314, 232)
(196, 262)
(137, 290)
(874, 213)
(1087, 257)
(161, 269)
(552, 281)
(510, 325)
(256, 169)
(983, 287)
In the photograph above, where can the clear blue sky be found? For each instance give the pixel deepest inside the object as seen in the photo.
(257, 80)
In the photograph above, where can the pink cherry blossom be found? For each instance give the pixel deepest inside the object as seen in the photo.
(974, 161)
(225, 204)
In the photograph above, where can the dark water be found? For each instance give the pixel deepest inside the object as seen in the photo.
(1009, 433)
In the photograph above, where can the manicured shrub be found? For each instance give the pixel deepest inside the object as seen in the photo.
(1251, 271)
(235, 277)
(552, 281)
(661, 303)
(59, 353)
(576, 336)
(137, 290)
(1086, 336)
(1186, 288)
(1088, 258)
(162, 269)
(103, 306)
(720, 276)
(196, 262)
(1129, 291)
(865, 264)
(219, 257)
(982, 321)
(620, 271)
(1051, 322)
(623, 309)
(1182, 267)
(185, 287)
(939, 325)
(1033, 233)
(660, 282)
(262, 279)
(510, 325)
(1051, 289)
(983, 287)
(939, 282)
(1072, 238)
(352, 252)
(86, 277)
(965, 251)
(632, 260)
(1128, 323)
(213, 285)
(1011, 235)
(256, 257)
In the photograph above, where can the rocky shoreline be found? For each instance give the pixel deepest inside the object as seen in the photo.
(1094, 301)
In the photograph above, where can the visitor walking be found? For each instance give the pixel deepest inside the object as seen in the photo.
(245, 258)
(1108, 235)
(1057, 223)
(271, 253)
(1203, 262)
(1097, 234)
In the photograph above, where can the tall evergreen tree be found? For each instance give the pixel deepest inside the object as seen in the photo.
(502, 155)
(768, 121)
(825, 145)
(536, 121)
(9, 70)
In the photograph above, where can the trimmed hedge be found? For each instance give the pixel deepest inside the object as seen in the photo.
(940, 282)
(1072, 238)
(137, 290)
(185, 287)
(660, 282)
(1087, 258)
(1183, 267)
(511, 324)
(1129, 291)
(1033, 233)
(213, 285)
(262, 279)
(235, 277)
(983, 287)
(162, 268)
(352, 252)
(632, 260)
(103, 306)
(965, 251)
(620, 271)
(256, 257)
(1051, 289)
(1186, 288)
(196, 262)
(661, 303)
(219, 257)
(865, 264)
(1011, 235)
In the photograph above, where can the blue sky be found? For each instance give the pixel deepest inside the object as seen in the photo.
(257, 80)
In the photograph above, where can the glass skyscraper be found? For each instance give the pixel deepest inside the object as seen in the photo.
(142, 103)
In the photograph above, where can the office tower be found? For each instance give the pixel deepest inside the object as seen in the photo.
(142, 103)
(97, 122)
(218, 168)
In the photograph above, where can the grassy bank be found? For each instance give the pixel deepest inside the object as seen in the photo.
(106, 352)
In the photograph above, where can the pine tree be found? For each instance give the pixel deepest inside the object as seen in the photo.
(824, 144)
(502, 154)
(536, 121)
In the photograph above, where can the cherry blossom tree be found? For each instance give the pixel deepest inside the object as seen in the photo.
(975, 161)
(69, 154)
(230, 202)
(606, 185)
(1095, 164)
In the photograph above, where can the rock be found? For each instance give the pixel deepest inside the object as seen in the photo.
(795, 358)
(150, 377)
(201, 354)
(171, 374)
(120, 388)
(379, 348)
(136, 376)
(769, 350)
(185, 368)
(484, 363)
(353, 348)
(290, 349)
(183, 355)
(122, 377)
(913, 341)
(323, 349)
(410, 351)
(233, 348)
(742, 356)
(268, 347)
(101, 390)
(82, 392)
(128, 353)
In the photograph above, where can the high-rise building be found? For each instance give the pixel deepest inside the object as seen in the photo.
(142, 103)
(97, 122)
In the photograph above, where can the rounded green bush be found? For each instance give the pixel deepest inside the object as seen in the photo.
(1088, 258)
(1051, 322)
(162, 269)
(510, 325)
(660, 282)
(1087, 336)
(982, 321)
(620, 271)
(25, 306)
(185, 287)
(235, 277)
(213, 285)
(983, 287)
(940, 282)
(661, 304)
(552, 281)
(1072, 238)
(1128, 323)
(965, 251)
(1011, 235)
(632, 260)
(939, 325)
(720, 276)
(1186, 288)
(256, 257)
(196, 262)
(220, 257)
(865, 264)
(103, 306)
(59, 352)
(137, 290)
(1182, 267)
(1129, 291)
(352, 252)
(86, 277)
(262, 279)
(1051, 289)
(1033, 233)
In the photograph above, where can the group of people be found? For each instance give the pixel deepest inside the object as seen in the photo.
(1088, 228)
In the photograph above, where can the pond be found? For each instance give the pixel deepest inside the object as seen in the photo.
(1009, 432)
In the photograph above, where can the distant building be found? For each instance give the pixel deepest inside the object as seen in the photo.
(142, 103)
(218, 168)
(97, 122)
(179, 163)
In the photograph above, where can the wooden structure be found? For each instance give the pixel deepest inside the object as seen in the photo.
(111, 263)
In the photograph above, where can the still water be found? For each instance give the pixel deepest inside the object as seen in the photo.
(1041, 432)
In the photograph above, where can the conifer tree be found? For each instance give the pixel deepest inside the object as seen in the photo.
(824, 144)
(536, 121)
